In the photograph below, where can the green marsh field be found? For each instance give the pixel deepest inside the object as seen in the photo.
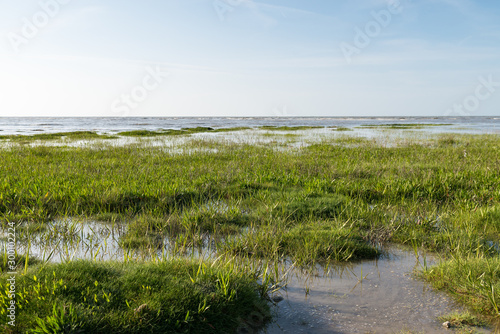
(207, 220)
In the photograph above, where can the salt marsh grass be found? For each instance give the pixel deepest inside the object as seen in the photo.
(323, 198)
(175, 296)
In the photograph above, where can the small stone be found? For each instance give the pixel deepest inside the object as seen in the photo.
(447, 324)
(277, 299)
(141, 308)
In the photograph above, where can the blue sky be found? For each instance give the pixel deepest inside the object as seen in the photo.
(249, 58)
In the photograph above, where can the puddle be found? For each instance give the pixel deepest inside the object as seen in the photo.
(69, 240)
(90, 240)
(388, 300)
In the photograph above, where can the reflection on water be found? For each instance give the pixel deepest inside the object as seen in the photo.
(387, 300)
(70, 240)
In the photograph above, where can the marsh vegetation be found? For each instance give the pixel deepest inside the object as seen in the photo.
(246, 207)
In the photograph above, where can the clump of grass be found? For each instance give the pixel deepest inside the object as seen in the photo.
(288, 128)
(14, 262)
(402, 126)
(167, 132)
(177, 296)
(492, 217)
(314, 207)
(280, 135)
(198, 129)
(343, 140)
(175, 132)
(488, 220)
(463, 319)
(474, 280)
(144, 232)
(323, 241)
(145, 133)
(447, 140)
(341, 128)
(236, 128)
(110, 217)
(147, 231)
(215, 222)
(327, 242)
(75, 135)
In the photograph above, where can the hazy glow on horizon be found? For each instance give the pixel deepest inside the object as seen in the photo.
(248, 58)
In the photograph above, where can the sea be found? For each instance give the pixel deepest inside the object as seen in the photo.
(34, 125)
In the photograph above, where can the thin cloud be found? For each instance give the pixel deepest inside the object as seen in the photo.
(286, 11)
(102, 61)
(81, 16)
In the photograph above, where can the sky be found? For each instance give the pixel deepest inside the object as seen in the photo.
(245, 58)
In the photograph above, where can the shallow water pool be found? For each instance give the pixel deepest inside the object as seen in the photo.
(381, 296)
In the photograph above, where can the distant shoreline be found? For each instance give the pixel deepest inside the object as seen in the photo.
(37, 125)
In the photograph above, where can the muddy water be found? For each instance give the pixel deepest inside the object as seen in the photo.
(387, 300)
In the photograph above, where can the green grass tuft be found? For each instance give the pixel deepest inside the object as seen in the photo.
(105, 297)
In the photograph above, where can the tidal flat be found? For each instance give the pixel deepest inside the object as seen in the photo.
(205, 231)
